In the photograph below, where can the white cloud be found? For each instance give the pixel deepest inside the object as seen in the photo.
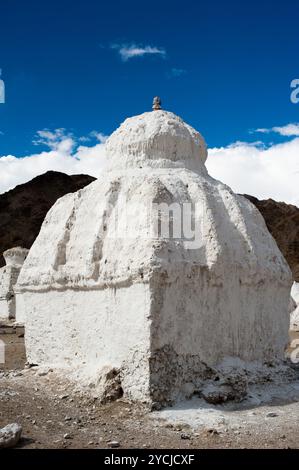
(261, 130)
(129, 51)
(54, 139)
(264, 172)
(252, 168)
(290, 130)
(99, 136)
(94, 135)
(64, 155)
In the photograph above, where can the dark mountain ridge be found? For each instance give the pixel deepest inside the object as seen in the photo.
(23, 209)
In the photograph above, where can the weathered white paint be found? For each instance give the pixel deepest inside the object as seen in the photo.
(94, 328)
(156, 309)
(14, 259)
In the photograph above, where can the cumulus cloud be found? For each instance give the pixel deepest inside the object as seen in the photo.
(264, 172)
(252, 168)
(129, 51)
(51, 139)
(290, 130)
(63, 154)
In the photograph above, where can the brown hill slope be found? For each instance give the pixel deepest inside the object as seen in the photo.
(283, 223)
(23, 209)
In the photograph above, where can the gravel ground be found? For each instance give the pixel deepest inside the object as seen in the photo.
(54, 415)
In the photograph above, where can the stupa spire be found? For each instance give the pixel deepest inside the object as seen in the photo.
(157, 103)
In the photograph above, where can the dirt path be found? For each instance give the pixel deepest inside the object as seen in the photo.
(52, 416)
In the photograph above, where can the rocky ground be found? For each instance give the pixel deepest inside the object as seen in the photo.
(53, 415)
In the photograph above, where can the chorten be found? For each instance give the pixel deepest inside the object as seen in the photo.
(294, 325)
(14, 259)
(106, 287)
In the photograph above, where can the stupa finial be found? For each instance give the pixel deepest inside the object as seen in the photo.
(157, 103)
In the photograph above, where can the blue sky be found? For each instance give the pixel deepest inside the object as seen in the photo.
(74, 70)
(225, 66)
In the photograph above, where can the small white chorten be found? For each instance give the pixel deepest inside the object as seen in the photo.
(102, 289)
(14, 259)
(294, 325)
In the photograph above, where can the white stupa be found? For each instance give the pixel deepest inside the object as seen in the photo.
(103, 289)
(295, 310)
(14, 259)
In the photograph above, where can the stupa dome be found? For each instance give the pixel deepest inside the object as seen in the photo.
(157, 139)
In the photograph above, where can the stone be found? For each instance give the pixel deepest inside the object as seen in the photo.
(113, 444)
(271, 415)
(14, 259)
(185, 436)
(113, 282)
(109, 386)
(10, 435)
(229, 386)
(216, 395)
